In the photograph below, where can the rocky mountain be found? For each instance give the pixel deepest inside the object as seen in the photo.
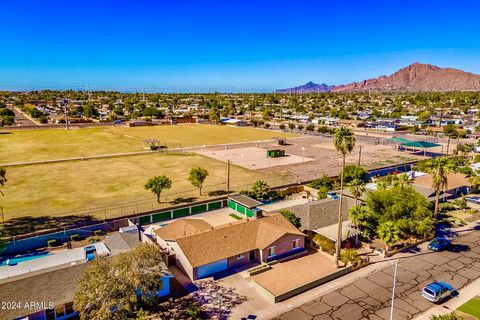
(415, 77)
(307, 88)
(418, 77)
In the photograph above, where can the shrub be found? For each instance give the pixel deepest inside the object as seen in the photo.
(93, 240)
(98, 232)
(290, 216)
(75, 237)
(461, 203)
(43, 119)
(322, 193)
(349, 255)
(446, 206)
(477, 157)
(194, 311)
(324, 243)
(323, 181)
(448, 316)
(52, 242)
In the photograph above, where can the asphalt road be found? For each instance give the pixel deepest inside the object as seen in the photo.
(370, 297)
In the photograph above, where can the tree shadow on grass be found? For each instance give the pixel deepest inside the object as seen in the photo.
(217, 193)
(23, 225)
(183, 200)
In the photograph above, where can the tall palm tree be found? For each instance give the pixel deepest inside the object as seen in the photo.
(439, 169)
(344, 141)
(356, 188)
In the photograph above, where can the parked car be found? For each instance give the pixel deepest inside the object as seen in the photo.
(473, 199)
(437, 291)
(332, 195)
(439, 244)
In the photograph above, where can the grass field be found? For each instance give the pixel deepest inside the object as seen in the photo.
(35, 145)
(59, 188)
(471, 307)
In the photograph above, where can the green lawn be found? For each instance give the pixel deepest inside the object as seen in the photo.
(58, 189)
(33, 145)
(471, 307)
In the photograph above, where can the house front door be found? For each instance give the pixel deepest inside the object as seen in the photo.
(252, 255)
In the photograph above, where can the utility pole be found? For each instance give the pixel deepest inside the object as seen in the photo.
(228, 178)
(65, 104)
(448, 143)
(359, 155)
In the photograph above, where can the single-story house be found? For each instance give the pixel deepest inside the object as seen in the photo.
(202, 250)
(457, 183)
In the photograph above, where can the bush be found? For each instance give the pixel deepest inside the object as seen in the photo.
(93, 240)
(75, 237)
(194, 311)
(324, 243)
(52, 242)
(477, 157)
(323, 181)
(446, 206)
(461, 203)
(322, 193)
(349, 255)
(353, 172)
(448, 316)
(43, 119)
(98, 232)
(291, 217)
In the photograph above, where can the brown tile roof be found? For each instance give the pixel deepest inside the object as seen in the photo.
(57, 286)
(233, 239)
(454, 181)
(183, 227)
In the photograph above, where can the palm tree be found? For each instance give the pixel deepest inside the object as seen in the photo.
(344, 141)
(439, 169)
(356, 188)
(388, 232)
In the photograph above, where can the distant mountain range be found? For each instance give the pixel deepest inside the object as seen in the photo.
(415, 77)
(308, 87)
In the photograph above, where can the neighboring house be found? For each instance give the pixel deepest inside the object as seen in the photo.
(457, 184)
(41, 295)
(202, 250)
(48, 294)
(383, 126)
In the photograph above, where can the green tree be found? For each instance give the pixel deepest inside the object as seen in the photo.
(439, 169)
(282, 126)
(290, 216)
(358, 215)
(344, 141)
(3, 178)
(261, 190)
(352, 172)
(322, 192)
(388, 232)
(109, 287)
(214, 115)
(158, 184)
(356, 188)
(197, 177)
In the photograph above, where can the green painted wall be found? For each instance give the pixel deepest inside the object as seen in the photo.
(214, 205)
(181, 212)
(161, 216)
(145, 220)
(199, 209)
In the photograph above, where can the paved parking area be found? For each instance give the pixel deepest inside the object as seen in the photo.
(370, 296)
(285, 276)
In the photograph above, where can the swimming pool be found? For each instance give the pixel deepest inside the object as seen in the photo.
(11, 261)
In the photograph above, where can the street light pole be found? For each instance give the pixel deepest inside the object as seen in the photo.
(393, 289)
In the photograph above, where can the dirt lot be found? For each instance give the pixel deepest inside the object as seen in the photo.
(320, 152)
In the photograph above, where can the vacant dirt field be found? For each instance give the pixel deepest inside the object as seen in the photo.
(34, 145)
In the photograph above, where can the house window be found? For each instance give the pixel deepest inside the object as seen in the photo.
(59, 311)
(50, 314)
(69, 308)
(296, 243)
(240, 256)
(271, 251)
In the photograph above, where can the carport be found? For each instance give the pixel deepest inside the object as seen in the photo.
(331, 232)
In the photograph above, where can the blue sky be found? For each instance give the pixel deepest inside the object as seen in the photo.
(227, 45)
